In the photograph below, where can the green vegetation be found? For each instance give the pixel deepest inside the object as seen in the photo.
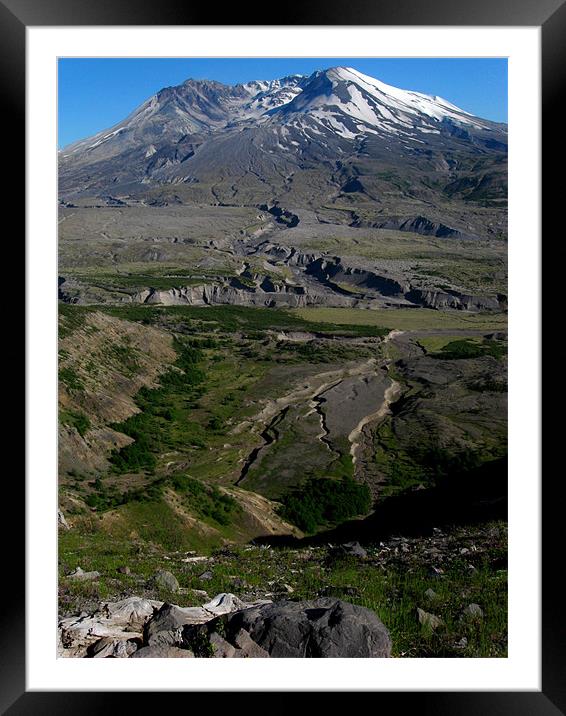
(407, 319)
(390, 584)
(242, 318)
(206, 501)
(347, 287)
(71, 318)
(164, 414)
(397, 464)
(324, 502)
(312, 352)
(123, 354)
(406, 463)
(157, 525)
(105, 495)
(480, 274)
(71, 378)
(245, 281)
(396, 593)
(433, 344)
(457, 350)
(139, 454)
(132, 282)
(75, 419)
(199, 643)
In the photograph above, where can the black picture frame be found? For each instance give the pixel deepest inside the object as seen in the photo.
(550, 16)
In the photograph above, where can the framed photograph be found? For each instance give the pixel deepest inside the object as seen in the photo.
(286, 401)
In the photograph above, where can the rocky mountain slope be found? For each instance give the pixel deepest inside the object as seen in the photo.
(334, 189)
(307, 140)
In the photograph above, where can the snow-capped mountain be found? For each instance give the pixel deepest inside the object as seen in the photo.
(338, 126)
(349, 103)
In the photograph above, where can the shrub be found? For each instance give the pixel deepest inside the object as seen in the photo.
(456, 350)
(71, 379)
(322, 501)
(76, 419)
(151, 428)
(205, 500)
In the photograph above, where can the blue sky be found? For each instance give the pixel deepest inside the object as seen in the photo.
(95, 93)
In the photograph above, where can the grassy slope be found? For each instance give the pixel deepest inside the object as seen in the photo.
(173, 429)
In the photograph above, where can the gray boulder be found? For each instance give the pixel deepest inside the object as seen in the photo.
(166, 626)
(244, 647)
(81, 575)
(473, 612)
(162, 652)
(221, 649)
(354, 549)
(166, 580)
(247, 648)
(325, 627)
(225, 627)
(108, 648)
(428, 620)
(61, 521)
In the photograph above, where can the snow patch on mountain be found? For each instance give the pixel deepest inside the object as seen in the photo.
(106, 137)
(404, 100)
(350, 103)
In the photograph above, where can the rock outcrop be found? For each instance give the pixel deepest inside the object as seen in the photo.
(225, 627)
(417, 225)
(317, 280)
(321, 628)
(61, 520)
(335, 270)
(209, 294)
(114, 622)
(454, 299)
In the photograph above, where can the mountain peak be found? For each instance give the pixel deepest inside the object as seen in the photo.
(351, 103)
(176, 135)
